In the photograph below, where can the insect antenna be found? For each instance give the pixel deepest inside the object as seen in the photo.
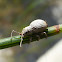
(15, 32)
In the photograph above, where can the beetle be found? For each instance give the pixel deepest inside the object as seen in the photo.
(35, 26)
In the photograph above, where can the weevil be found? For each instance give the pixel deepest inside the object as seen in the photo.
(35, 26)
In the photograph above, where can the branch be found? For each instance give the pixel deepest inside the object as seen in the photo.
(7, 42)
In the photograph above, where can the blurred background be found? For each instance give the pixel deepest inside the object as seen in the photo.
(17, 14)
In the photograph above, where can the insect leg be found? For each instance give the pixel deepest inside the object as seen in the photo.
(31, 39)
(38, 37)
(45, 34)
(21, 40)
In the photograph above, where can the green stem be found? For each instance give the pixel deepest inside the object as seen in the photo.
(50, 31)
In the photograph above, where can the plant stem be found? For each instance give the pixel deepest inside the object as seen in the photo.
(50, 31)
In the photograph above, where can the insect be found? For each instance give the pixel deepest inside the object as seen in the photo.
(34, 27)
